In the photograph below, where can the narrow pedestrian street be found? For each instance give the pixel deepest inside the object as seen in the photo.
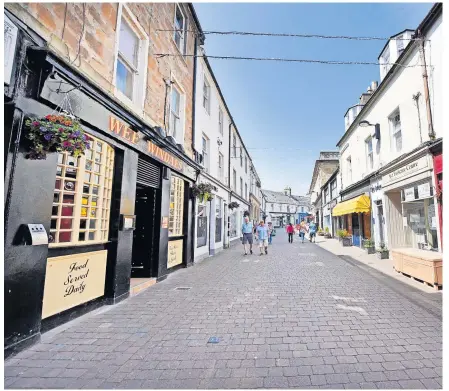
(299, 317)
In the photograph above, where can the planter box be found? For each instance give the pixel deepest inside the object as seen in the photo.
(421, 264)
(383, 254)
(370, 250)
(346, 242)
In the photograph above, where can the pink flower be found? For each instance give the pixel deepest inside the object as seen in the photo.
(36, 123)
(66, 144)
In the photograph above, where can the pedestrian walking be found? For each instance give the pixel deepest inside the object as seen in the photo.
(270, 233)
(247, 233)
(302, 231)
(312, 232)
(262, 236)
(290, 231)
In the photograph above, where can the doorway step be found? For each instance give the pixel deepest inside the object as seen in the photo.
(140, 284)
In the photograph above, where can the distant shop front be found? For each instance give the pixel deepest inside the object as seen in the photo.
(354, 211)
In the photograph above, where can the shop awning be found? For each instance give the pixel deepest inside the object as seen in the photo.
(360, 204)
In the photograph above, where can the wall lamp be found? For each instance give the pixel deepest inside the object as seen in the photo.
(365, 124)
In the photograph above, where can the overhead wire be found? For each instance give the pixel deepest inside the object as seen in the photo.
(293, 35)
(279, 59)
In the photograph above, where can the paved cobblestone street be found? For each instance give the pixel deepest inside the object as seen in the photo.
(299, 317)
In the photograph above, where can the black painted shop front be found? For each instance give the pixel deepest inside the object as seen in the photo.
(141, 217)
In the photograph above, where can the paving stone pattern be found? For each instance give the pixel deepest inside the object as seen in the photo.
(283, 322)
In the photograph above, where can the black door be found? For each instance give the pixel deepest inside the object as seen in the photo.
(146, 234)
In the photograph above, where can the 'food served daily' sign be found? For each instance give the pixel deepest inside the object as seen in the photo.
(72, 280)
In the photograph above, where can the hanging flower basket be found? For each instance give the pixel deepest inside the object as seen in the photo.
(203, 191)
(55, 133)
(233, 205)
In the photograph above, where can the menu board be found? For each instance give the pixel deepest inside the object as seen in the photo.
(174, 253)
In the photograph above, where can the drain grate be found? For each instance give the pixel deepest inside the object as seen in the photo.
(183, 288)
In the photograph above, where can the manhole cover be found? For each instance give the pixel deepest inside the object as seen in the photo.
(183, 288)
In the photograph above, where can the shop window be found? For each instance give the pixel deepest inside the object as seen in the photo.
(233, 224)
(175, 224)
(82, 197)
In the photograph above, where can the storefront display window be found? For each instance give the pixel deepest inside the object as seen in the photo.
(82, 196)
(175, 223)
(233, 225)
(421, 225)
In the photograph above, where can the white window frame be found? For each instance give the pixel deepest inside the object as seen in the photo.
(349, 172)
(333, 188)
(246, 191)
(94, 169)
(206, 153)
(234, 144)
(220, 120)
(386, 59)
(183, 42)
(234, 180)
(241, 187)
(241, 157)
(394, 131)
(369, 154)
(206, 95)
(141, 72)
(176, 86)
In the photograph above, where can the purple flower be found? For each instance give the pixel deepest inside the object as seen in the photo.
(77, 133)
(87, 146)
(43, 129)
(84, 137)
(48, 136)
(36, 123)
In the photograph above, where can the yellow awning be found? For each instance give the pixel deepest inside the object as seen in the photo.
(360, 204)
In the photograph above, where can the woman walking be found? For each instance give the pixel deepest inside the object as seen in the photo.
(302, 231)
(262, 236)
(290, 231)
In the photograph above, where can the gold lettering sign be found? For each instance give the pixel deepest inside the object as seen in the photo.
(174, 253)
(164, 156)
(123, 130)
(72, 280)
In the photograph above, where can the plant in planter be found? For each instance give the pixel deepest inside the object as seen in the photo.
(382, 252)
(203, 191)
(320, 232)
(55, 133)
(345, 238)
(369, 246)
(327, 234)
(233, 205)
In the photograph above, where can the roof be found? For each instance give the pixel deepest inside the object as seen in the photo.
(302, 200)
(278, 197)
(393, 36)
(423, 27)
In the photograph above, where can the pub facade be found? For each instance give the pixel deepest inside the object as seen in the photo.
(78, 229)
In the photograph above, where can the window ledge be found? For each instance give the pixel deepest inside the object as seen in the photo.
(128, 102)
(80, 244)
(179, 51)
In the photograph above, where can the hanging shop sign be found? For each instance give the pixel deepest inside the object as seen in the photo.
(174, 253)
(409, 194)
(164, 156)
(72, 280)
(123, 130)
(405, 171)
(424, 190)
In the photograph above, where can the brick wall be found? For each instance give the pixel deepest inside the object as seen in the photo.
(61, 25)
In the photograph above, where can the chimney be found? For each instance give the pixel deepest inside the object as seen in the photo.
(374, 86)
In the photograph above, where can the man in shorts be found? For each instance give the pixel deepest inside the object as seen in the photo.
(247, 233)
(262, 236)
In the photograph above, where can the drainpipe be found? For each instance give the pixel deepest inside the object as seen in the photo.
(229, 184)
(426, 86)
(416, 99)
(195, 65)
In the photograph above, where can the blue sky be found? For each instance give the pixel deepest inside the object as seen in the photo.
(296, 110)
